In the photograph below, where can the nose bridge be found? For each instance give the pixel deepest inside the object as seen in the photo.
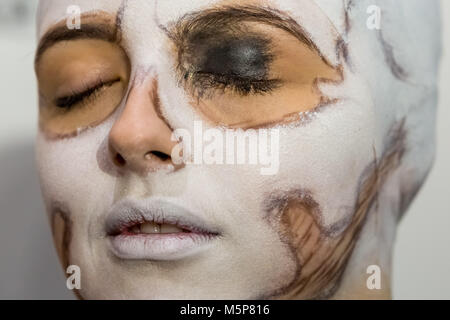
(140, 138)
(141, 31)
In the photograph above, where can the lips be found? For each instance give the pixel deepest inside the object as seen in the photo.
(156, 230)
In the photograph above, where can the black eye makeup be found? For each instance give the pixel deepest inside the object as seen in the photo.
(239, 63)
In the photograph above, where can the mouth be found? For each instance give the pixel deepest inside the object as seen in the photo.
(156, 230)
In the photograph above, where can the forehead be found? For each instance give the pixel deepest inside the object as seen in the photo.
(323, 20)
(51, 11)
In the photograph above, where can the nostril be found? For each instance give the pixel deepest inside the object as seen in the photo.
(160, 155)
(119, 160)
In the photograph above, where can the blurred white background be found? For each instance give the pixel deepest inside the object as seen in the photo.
(28, 263)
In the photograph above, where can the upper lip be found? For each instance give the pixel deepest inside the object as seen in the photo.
(129, 212)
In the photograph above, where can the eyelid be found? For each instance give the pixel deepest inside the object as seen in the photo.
(81, 95)
(204, 85)
(201, 70)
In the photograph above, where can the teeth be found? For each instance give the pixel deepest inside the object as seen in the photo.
(170, 228)
(151, 227)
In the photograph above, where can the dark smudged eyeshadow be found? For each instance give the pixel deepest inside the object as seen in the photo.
(245, 58)
(224, 61)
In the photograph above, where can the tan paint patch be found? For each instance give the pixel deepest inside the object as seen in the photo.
(300, 71)
(321, 258)
(296, 68)
(71, 62)
(62, 237)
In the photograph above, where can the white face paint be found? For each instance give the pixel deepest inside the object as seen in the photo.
(324, 158)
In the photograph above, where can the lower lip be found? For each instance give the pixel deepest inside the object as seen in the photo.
(169, 246)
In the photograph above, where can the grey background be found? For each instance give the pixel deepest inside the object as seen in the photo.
(28, 262)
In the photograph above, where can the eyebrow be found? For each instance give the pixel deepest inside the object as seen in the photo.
(191, 23)
(223, 17)
(99, 26)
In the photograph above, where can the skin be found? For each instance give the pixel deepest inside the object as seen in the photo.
(304, 233)
(59, 73)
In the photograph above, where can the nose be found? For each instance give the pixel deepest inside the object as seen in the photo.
(140, 139)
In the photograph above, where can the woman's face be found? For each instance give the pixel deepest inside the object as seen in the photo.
(113, 92)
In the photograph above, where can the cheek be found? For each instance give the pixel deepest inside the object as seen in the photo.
(327, 156)
(70, 173)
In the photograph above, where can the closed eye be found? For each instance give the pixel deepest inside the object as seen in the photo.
(248, 66)
(242, 85)
(67, 102)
